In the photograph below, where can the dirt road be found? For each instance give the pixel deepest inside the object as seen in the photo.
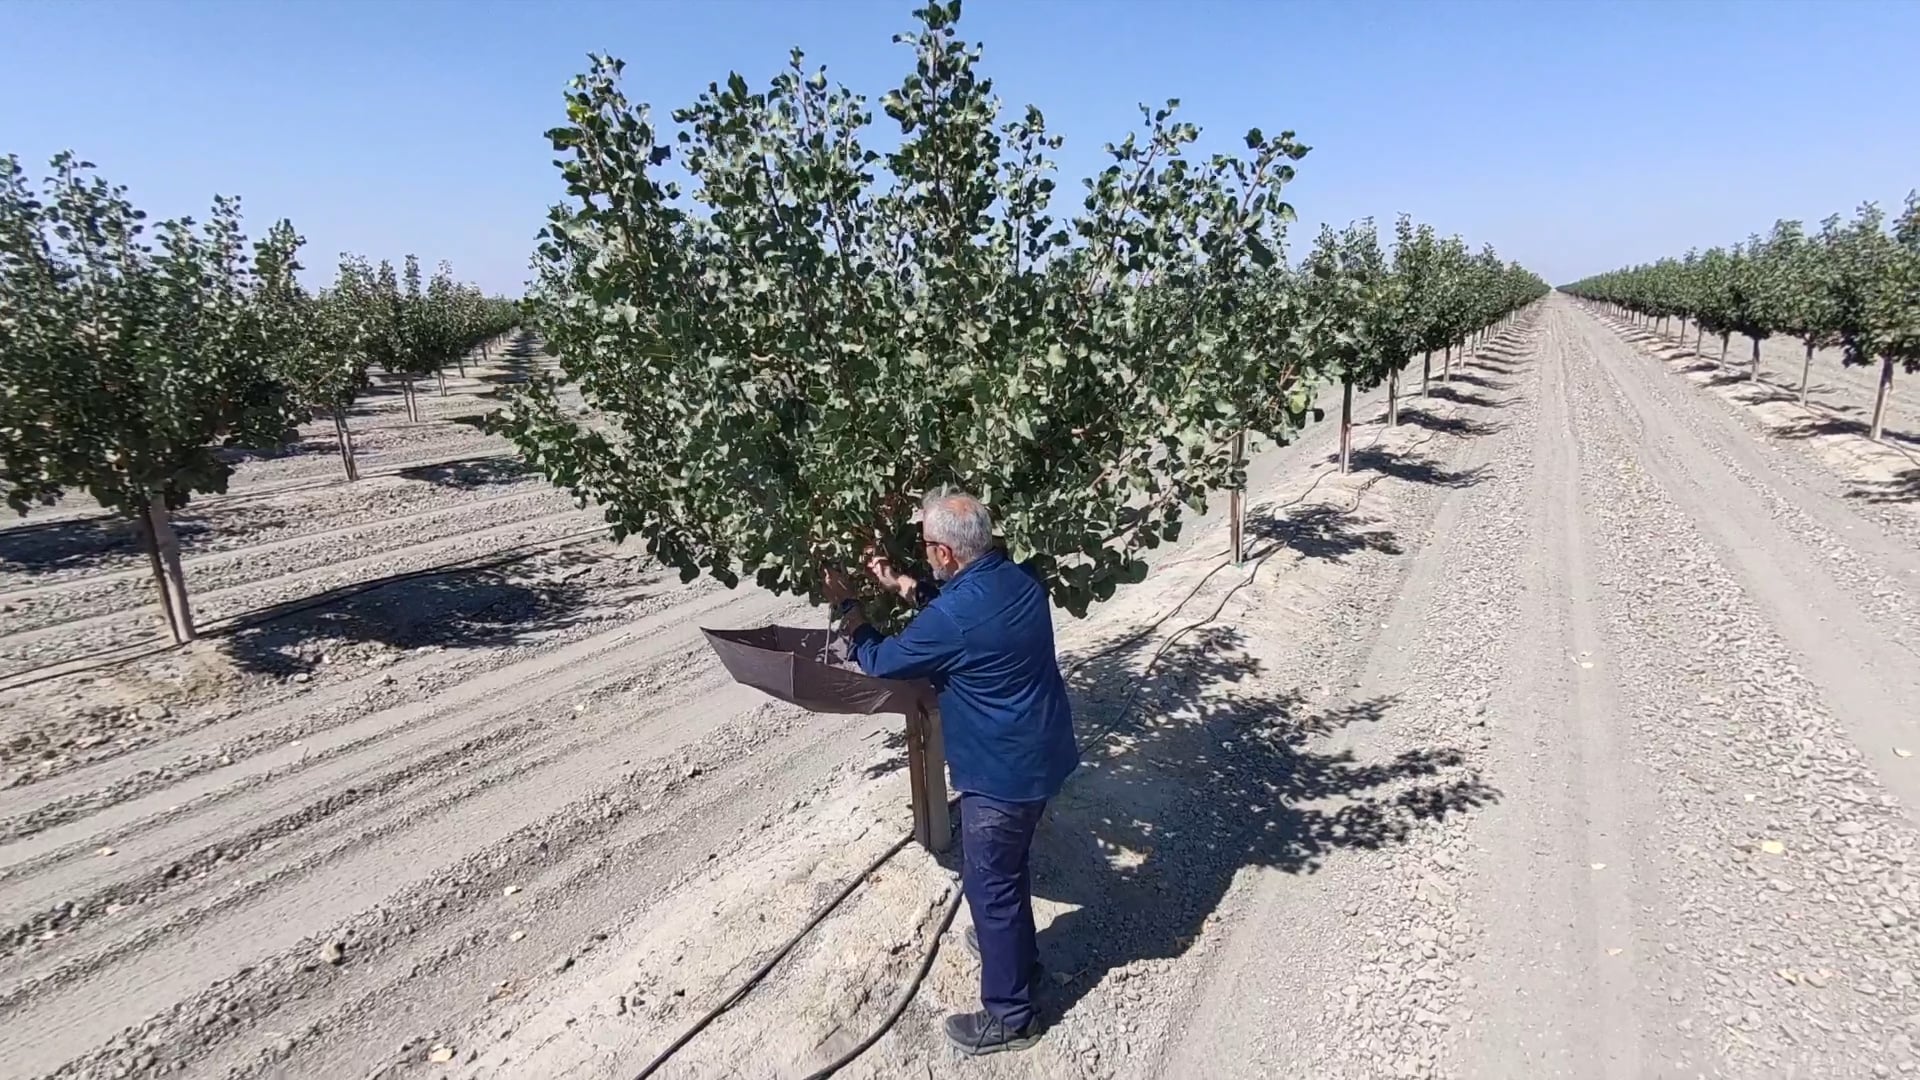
(1568, 736)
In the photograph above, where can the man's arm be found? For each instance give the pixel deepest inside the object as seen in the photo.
(927, 647)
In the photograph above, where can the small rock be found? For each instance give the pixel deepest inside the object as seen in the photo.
(152, 710)
(516, 935)
(333, 952)
(561, 964)
(1849, 828)
(105, 851)
(1887, 916)
(302, 676)
(440, 1055)
(509, 890)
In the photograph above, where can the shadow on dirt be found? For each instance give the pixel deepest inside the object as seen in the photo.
(1467, 397)
(1417, 470)
(1904, 487)
(84, 543)
(516, 360)
(1459, 426)
(461, 609)
(471, 473)
(1481, 381)
(1318, 531)
(1205, 777)
(1807, 427)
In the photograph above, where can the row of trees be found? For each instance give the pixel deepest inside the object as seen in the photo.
(811, 331)
(131, 353)
(1853, 284)
(370, 318)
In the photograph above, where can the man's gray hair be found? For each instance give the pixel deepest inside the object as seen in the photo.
(952, 517)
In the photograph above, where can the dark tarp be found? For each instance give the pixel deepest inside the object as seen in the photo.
(812, 669)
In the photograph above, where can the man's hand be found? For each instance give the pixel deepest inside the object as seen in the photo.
(890, 579)
(852, 621)
(835, 587)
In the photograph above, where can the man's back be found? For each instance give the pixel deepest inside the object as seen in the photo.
(986, 644)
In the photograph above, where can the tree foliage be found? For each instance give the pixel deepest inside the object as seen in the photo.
(813, 331)
(131, 352)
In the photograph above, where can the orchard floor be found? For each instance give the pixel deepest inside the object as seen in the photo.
(1567, 736)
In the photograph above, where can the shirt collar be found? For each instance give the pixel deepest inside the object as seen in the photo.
(993, 555)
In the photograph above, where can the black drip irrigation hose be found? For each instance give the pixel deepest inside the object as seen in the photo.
(912, 988)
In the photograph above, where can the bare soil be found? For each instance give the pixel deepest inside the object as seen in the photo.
(1568, 735)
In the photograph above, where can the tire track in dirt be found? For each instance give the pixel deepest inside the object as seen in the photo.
(219, 738)
(520, 799)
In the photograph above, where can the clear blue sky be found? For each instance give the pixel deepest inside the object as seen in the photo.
(1572, 136)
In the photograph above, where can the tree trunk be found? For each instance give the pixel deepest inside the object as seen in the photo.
(1346, 425)
(441, 374)
(1237, 505)
(1753, 373)
(163, 552)
(1446, 366)
(1880, 399)
(1724, 338)
(1682, 339)
(345, 438)
(1426, 372)
(1806, 372)
(413, 412)
(462, 361)
(1699, 335)
(1393, 398)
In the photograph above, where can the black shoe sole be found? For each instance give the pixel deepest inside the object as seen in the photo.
(1023, 1042)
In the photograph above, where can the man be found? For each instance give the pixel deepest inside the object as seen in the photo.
(985, 641)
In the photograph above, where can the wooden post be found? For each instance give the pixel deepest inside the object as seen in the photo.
(1237, 506)
(927, 774)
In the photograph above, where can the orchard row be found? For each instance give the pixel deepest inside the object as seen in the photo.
(1854, 284)
(130, 353)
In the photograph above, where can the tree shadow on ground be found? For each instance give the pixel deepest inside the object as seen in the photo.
(1208, 775)
(41, 547)
(1417, 470)
(1807, 427)
(516, 359)
(458, 609)
(894, 745)
(1459, 426)
(470, 473)
(1481, 381)
(1904, 487)
(1318, 531)
(1465, 397)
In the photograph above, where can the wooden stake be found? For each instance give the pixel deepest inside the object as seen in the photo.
(1237, 506)
(173, 581)
(927, 775)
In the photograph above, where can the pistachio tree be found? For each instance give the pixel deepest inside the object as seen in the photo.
(1348, 298)
(1891, 333)
(789, 334)
(130, 353)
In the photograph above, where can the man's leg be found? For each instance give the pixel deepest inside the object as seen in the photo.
(995, 837)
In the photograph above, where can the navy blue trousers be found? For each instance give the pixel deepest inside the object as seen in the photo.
(995, 836)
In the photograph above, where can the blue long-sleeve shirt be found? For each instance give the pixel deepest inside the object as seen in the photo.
(985, 642)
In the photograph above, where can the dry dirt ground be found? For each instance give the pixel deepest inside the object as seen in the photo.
(1568, 736)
